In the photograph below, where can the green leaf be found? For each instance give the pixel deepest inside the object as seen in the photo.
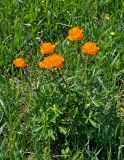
(63, 129)
(94, 124)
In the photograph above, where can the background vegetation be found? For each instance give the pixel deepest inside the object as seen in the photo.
(39, 119)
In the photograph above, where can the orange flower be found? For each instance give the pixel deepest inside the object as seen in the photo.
(53, 61)
(75, 34)
(47, 48)
(90, 48)
(19, 62)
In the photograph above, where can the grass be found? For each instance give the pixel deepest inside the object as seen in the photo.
(39, 118)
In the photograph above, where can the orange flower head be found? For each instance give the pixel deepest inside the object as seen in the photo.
(19, 63)
(75, 34)
(53, 61)
(47, 48)
(90, 48)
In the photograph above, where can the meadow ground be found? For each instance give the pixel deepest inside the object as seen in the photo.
(72, 113)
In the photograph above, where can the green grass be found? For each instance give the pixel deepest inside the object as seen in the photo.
(39, 118)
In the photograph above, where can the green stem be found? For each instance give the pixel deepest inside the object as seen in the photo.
(60, 74)
(27, 79)
(79, 53)
(54, 78)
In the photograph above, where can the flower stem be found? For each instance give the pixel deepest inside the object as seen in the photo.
(60, 74)
(79, 53)
(54, 78)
